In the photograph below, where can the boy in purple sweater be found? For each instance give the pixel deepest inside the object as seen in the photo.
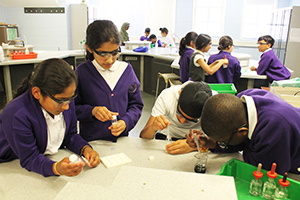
(269, 64)
(263, 126)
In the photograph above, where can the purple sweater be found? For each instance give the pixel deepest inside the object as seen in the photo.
(184, 64)
(270, 65)
(225, 75)
(23, 134)
(93, 91)
(276, 135)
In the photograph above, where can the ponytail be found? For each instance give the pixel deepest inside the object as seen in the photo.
(186, 41)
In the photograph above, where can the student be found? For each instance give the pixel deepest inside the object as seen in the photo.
(147, 33)
(41, 119)
(269, 64)
(226, 73)
(186, 48)
(177, 109)
(198, 66)
(256, 121)
(168, 39)
(106, 87)
(124, 33)
(153, 40)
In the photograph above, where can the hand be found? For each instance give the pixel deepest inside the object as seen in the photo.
(65, 168)
(253, 68)
(117, 129)
(202, 139)
(103, 114)
(225, 61)
(160, 122)
(92, 156)
(179, 147)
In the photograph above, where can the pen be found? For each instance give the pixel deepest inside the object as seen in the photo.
(86, 161)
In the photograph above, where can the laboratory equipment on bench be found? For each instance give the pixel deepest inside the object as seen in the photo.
(282, 192)
(256, 183)
(200, 166)
(270, 185)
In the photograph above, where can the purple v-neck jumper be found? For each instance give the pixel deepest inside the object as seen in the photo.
(93, 91)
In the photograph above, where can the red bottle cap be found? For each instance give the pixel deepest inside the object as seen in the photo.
(272, 173)
(283, 182)
(258, 174)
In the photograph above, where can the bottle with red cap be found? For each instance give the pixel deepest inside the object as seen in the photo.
(256, 184)
(270, 185)
(282, 192)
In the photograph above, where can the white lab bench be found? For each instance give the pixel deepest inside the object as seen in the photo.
(164, 176)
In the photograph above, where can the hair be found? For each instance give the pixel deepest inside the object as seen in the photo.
(52, 76)
(164, 30)
(268, 39)
(147, 30)
(202, 41)
(186, 40)
(222, 114)
(99, 32)
(225, 42)
(152, 36)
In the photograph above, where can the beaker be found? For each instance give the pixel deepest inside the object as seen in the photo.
(201, 163)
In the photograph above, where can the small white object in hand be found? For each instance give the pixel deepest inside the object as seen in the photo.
(74, 159)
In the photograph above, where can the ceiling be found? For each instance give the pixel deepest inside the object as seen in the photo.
(29, 3)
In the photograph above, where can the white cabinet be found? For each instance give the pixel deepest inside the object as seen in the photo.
(79, 22)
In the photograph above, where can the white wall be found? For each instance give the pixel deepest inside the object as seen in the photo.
(43, 31)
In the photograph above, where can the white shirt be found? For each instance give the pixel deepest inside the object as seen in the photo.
(169, 40)
(112, 75)
(56, 128)
(252, 114)
(198, 56)
(166, 105)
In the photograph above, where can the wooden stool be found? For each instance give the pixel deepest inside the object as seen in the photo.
(169, 78)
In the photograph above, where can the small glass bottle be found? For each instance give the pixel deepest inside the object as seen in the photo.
(114, 120)
(256, 184)
(270, 185)
(282, 192)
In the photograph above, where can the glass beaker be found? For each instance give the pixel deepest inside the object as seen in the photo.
(201, 163)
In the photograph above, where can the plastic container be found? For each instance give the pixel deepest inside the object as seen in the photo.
(243, 174)
(23, 55)
(223, 87)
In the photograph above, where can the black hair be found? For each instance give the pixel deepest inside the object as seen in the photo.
(52, 76)
(185, 41)
(225, 42)
(222, 114)
(164, 30)
(99, 32)
(268, 39)
(147, 30)
(202, 41)
(152, 36)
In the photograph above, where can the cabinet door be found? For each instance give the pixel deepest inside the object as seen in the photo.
(150, 77)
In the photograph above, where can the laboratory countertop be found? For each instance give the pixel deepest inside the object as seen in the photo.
(18, 183)
(163, 174)
(42, 55)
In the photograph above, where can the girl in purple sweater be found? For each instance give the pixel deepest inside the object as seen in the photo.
(41, 119)
(106, 87)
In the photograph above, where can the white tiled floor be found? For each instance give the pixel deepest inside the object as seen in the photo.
(148, 104)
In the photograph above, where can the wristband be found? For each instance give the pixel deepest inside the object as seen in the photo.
(55, 170)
